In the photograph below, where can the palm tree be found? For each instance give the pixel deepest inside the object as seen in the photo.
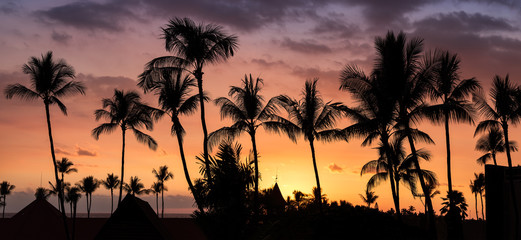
(135, 187)
(162, 175)
(505, 110)
(5, 189)
(111, 182)
(369, 197)
(431, 191)
(49, 83)
(156, 189)
(174, 98)
(458, 202)
(479, 181)
(314, 119)
(452, 92)
(194, 46)
(248, 112)
(72, 197)
(474, 188)
(88, 185)
(299, 197)
(125, 110)
(491, 143)
(55, 190)
(42, 193)
(65, 167)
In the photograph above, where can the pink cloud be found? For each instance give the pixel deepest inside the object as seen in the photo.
(334, 168)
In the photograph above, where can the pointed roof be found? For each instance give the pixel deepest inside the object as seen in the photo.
(134, 219)
(38, 220)
(275, 198)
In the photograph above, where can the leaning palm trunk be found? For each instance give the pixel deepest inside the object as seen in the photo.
(256, 162)
(187, 175)
(58, 183)
(199, 76)
(428, 201)
(122, 166)
(511, 177)
(318, 197)
(396, 198)
(447, 142)
(482, 213)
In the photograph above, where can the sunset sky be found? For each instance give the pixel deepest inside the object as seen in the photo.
(283, 42)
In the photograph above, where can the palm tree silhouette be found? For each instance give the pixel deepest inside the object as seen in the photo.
(111, 182)
(491, 143)
(458, 203)
(314, 119)
(156, 188)
(65, 167)
(72, 197)
(49, 83)
(125, 110)
(136, 187)
(452, 92)
(194, 46)
(369, 197)
(431, 191)
(42, 193)
(55, 190)
(162, 175)
(248, 112)
(505, 109)
(174, 98)
(479, 181)
(5, 189)
(88, 185)
(474, 188)
(404, 168)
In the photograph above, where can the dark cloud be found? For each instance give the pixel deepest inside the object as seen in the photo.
(305, 46)
(385, 12)
(89, 15)
(508, 3)
(268, 64)
(334, 168)
(458, 22)
(9, 7)
(335, 27)
(85, 152)
(61, 37)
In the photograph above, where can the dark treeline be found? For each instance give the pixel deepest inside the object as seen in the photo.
(406, 85)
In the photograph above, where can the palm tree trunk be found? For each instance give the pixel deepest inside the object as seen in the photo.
(426, 193)
(90, 204)
(482, 213)
(157, 204)
(318, 197)
(122, 165)
(71, 209)
(74, 222)
(494, 158)
(447, 142)
(511, 176)
(3, 208)
(58, 184)
(111, 201)
(87, 198)
(396, 200)
(476, 205)
(256, 163)
(199, 76)
(162, 200)
(187, 175)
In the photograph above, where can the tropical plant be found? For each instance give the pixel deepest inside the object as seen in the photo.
(49, 83)
(5, 189)
(459, 205)
(479, 181)
(88, 185)
(452, 93)
(431, 191)
(72, 197)
(474, 188)
(111, 182)
(42, 193)
(248, 113)
(300, 198)
(174, 99)
(65, 167)
(55, 190)
(125, 110)
(369, 197)
(491, 143)
(162, 175)
(156, 188)
(313, 118)
(505, 110)
(135, 187)
(194, 46)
